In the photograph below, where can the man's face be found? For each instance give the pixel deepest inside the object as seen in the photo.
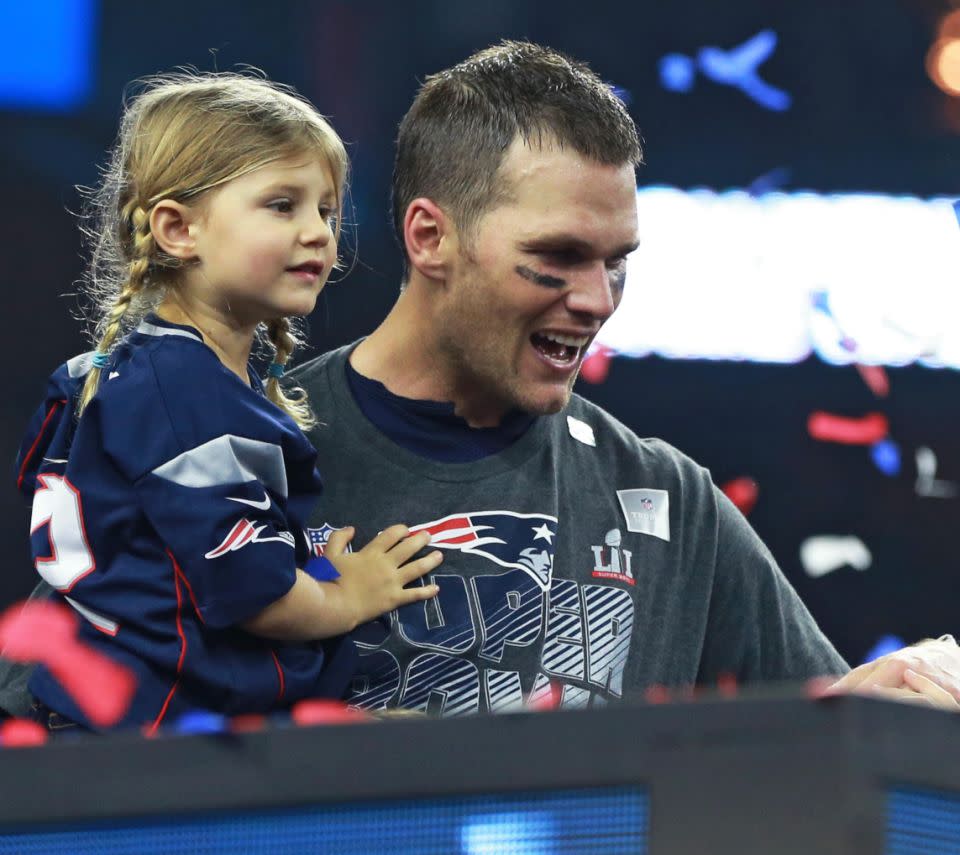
(528, 293)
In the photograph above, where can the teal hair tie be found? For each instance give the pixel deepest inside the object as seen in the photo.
(275, 370)
(101, 359)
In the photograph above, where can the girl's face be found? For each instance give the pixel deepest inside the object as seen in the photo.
(265, 242)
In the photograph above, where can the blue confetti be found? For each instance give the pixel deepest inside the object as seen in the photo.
(886, 456)
(821, 301)
(737, 67)
(201, 721)
(886, 644)
(677, 72)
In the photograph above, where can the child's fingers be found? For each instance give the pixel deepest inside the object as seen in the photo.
(417, 594)
(415, 569)
(338, 541)
(388, 538)
(409, 546)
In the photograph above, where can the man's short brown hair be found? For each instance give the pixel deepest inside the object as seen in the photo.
(453, 138)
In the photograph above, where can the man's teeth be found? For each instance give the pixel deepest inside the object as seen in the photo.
(568, 340)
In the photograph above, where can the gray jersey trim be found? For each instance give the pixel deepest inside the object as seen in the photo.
(79, 366)
(228, 459)
(152, 329)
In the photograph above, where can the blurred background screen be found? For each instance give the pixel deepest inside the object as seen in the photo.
(791, 320)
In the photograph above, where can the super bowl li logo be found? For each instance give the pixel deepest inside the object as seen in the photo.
(612, 562)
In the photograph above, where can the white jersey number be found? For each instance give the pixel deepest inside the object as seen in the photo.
(56, 504)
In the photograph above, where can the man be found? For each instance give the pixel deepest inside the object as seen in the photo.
(576, 554)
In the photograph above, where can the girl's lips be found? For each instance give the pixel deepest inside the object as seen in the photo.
(314, 268)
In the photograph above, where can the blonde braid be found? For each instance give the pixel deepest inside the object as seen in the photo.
(111, 325)
(293, 401)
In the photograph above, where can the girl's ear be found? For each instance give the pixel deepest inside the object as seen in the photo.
(173, 225)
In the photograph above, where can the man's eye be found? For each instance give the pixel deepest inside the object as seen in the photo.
(617, 264)
(561, 257)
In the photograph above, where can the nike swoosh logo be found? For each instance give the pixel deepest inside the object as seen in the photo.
(262, 505)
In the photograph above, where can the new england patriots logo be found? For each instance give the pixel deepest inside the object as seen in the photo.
(245, 532)
(516, 541)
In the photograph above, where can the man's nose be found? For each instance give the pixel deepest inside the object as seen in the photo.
(593, 292)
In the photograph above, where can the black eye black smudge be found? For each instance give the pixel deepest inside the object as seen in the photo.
(539, 278)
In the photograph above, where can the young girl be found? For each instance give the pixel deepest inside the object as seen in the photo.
(169, 486)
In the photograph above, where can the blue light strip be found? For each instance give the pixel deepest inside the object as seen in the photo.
(922, 823)
(612, 820)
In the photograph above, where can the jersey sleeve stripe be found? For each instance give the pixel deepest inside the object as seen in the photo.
(33, 448)
(186, 582)
(228, 459)
(283, 685)
(177, 576)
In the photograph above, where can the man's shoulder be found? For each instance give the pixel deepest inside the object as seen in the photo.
(616, 434)
(309, 372)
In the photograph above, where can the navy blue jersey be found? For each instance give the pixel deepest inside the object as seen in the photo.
(169, 514)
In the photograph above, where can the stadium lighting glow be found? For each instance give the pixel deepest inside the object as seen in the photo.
(943, 65)
(47, 54)
(854, 278)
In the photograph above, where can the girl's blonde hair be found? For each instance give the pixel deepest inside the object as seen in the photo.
(181, 135)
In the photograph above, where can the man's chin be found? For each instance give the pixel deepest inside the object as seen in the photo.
(546, 405)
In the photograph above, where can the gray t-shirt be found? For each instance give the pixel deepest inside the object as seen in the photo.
(581, 556)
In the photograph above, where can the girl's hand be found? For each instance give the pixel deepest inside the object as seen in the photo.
(373, 581)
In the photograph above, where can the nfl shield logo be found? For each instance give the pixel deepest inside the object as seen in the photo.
(318, 537)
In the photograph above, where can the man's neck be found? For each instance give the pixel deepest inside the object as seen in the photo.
(402, 354)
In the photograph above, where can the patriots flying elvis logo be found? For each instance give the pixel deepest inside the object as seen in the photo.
(516, 541)
(245, 532)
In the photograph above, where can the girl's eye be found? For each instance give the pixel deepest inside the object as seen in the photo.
(331, 215)
(282, 206)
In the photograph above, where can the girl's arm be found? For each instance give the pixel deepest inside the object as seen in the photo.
(372, 582)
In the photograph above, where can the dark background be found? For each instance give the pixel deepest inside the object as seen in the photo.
(865, 116)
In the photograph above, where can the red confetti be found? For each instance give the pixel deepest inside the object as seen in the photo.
(41, 631)
(657, 694)
(727, 685)
(875, 376)
(742, 492)
(596, 366)
(867, 430)
(22, 733)
(317, 711)
(548, 700)
(249, 723)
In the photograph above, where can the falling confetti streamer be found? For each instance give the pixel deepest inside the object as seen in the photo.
(867, 430)
(875, 376)
(743, 492)
(823, 554)
(46, 632)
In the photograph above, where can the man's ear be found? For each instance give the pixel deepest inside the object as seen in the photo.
(430, 238)
(173, 226)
